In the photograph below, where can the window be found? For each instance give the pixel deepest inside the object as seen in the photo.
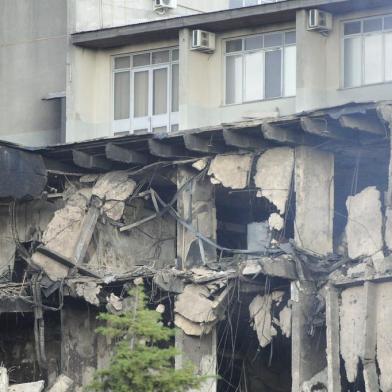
(247, 3)
(145, 91)
(260, 67)
(367, 48)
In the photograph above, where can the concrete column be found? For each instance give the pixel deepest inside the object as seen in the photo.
(308, 351)
(3, 380)
(314, 190)
(201, 352)
(333, 341)
(196, 205)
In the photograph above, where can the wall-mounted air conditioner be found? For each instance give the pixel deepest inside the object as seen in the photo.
(319, 21)
(163, 5)
(203, 41)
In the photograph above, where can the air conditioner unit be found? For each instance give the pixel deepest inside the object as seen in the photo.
(164, 4)
(319, 20)
(203, 41)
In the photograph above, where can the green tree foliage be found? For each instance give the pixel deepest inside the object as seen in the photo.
(142, 360)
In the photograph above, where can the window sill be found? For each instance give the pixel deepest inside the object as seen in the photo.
(225, 105)
(389, 82)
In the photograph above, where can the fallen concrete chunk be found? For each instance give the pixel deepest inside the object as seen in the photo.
(201, 309)
(260, 310)
(28, 387)
(273, 175)
(89, 291)
(114, 304)
(62, 384)
(114, 186)
(114, 209)
(352, 319)
(232, 170)
(276, 222)
(201, 164)
(318, 383)
(364, 223)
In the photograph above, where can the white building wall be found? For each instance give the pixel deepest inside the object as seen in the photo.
(89, 92)
(99, 14)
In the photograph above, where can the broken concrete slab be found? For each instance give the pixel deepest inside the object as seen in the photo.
(114, 185)
(352, 321)
(28, 387)
(190, 328)
(282, 266)
(364, 223)
(169, 281)
(260, 310)
(314, 190)
(274, 170)
(201, 310)
(62, 384)
(232, 170)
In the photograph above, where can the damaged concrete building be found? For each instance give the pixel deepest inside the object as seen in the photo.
(255, 206)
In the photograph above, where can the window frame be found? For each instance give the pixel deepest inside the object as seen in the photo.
(263, 50)
(362, 35)
(127, 125)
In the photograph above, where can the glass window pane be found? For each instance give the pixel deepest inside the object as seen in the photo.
(122, 62)
(160, 57)
(253, 76)
(370, 25)
(352, 62)
(352, 28)
(234, 45)
(290, 71)
(121, 95)
(254, 42)
(233, 79)
(250, 2)
(290, 38)
(388, 56)
(175, 54)
(140, 94)
(175, 88)
(160, 91)
(274, 39)
(273, 74)
(141, 59)
(373, 67)
(388, 22)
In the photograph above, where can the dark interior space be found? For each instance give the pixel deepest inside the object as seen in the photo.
(17, 346)
(243, 365)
